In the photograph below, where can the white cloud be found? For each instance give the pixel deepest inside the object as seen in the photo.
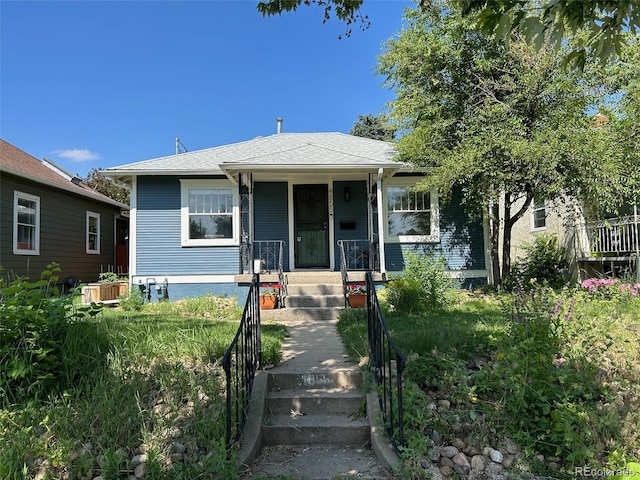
(77, 154)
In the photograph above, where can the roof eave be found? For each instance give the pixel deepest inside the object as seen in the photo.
(40, 181)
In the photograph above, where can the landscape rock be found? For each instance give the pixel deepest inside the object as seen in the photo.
(444, 403)
(508, 460)
(496, 456)
(140, 470)
(477, 463)
(436, 438)
(449, 451)
(461, 459)
(446, 471)
(462, 469)
(138, 459)
(511, 447)
(459, 444)
(446, 462)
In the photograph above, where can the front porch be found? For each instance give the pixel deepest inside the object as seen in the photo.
(609, 247)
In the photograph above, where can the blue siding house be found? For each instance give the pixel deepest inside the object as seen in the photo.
(201, 219)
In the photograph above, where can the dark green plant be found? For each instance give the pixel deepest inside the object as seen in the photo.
(545, 264)
(133, 301)
(422, 285)
(35, 321)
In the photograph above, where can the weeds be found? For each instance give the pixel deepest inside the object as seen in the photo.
(125, 379)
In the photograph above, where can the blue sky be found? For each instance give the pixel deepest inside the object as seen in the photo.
(92, 84)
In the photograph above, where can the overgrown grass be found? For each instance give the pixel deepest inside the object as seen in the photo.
(557, 372)
(142, 379)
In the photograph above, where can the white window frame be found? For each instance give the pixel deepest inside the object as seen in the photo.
(185, 186)
(89, 233)
(16, 248)
(536, 207)
(434, 236)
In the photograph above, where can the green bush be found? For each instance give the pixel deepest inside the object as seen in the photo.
(545, 264)
(35, 321)
(423, 284)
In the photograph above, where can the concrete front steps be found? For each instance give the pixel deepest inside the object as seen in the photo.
(309, 417)
(315, 408)
(311, 296)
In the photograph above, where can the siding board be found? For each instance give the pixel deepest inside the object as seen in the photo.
(159, 250)
(62, 232)
(271, 214)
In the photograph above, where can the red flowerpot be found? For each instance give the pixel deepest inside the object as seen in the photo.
(357, 300)
(268, 302)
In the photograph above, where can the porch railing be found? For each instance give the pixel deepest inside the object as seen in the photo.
(355, 255)
(241, 361)
(270, 255)
(387, 364)
(615, 236)
(359, 254)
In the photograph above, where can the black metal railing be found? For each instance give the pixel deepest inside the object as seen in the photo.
(241, 361)
(387, 364)
(355, 255)
(270, 254)
(359, 255)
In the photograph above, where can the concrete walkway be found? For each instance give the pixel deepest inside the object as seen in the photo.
(316, 347)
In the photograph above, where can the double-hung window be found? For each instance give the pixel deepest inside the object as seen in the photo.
(26, 224)
(538, 215)
(93, 232)
(412, 215)
(209, 213)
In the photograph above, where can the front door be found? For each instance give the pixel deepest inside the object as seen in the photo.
(311, 226)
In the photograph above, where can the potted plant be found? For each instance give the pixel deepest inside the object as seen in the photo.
(357, 294)
(269, 296)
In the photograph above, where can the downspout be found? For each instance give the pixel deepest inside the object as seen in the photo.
(133, 231)
(383, 263)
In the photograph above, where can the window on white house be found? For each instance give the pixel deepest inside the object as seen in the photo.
(210, 213)
(538, 215)
(412, 216)
(26, 224)
(93, 232)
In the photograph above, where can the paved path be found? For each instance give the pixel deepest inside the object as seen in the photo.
(315, 346)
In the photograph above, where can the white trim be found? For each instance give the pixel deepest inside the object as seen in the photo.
(487, 249)
(87, 233)
(310, 180)
(434, 236)
(33, 198)
(133, 227)
(468, 273)
(185, 185)
(184, 279)
(381, 222)
(533, 210)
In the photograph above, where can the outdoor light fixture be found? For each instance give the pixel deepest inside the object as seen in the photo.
(347, 194)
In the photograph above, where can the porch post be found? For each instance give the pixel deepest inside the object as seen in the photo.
(383, 263)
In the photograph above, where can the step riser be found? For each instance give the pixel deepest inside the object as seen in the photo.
(334, 301)
(311, 406)
(347, 379)
(319, 290)
(357, 435)
(300, 314)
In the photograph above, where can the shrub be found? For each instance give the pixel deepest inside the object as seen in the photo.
(423, 284)
(35, 320)
(545, 264)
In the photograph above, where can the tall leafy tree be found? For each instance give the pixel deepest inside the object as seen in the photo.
(501, 120)
(106, 186)
(604, 22)
(371, 126)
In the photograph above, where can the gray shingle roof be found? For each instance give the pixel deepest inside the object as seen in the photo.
(279, 151)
